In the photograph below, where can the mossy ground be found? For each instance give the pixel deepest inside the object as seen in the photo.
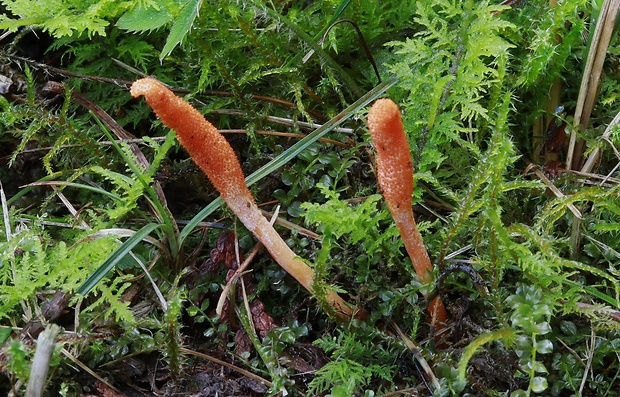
(102, 237)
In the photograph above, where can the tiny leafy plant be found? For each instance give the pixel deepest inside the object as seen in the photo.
(531, 315)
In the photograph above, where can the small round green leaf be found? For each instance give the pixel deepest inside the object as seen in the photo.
(538, 384)
(544, 346)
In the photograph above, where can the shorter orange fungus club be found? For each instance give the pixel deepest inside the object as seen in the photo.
(395, 177)
(216, 158)
(394, 168)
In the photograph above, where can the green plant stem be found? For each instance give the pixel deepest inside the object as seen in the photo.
(482, 339)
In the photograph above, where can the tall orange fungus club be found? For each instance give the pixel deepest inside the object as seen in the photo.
(216, 158)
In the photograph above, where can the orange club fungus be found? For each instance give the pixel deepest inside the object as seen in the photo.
(216, 158)
(395, 177)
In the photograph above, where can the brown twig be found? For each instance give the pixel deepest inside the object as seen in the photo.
(227, 365)
(533, 167)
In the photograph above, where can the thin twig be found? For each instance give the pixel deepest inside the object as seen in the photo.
(74, 213)
(63, 72)
(239, 272)
(591, 347)
(603, 178)
(286, 134)
(552, 187)
(415, 350)
(92, 373)
(292, 226)
(141, 141)
(283, 121)
(227, 365)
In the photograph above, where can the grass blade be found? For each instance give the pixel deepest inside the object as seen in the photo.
(116, 256)
(293, 151)
(316, 47)
(309, 139)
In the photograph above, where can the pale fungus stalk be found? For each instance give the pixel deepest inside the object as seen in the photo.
(216, 158)
(395, 177)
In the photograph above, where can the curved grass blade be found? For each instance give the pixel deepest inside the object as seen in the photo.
(293, 151)
(116, 256)
(27, 188)
(103, 192)
(335, 17)
(341, 7)
(316, 47)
